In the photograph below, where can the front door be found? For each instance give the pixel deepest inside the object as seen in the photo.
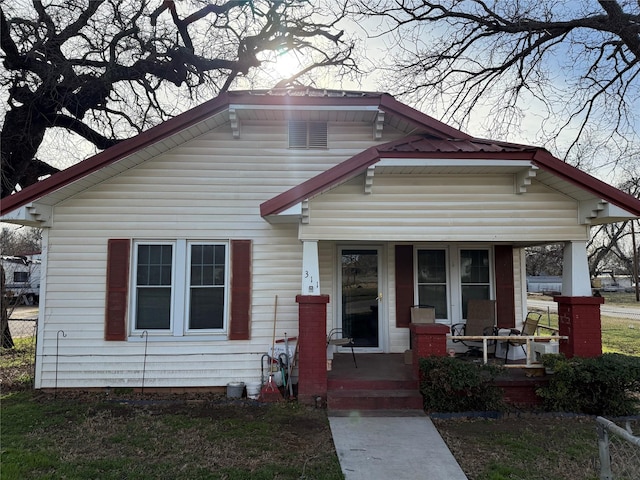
(359, 307)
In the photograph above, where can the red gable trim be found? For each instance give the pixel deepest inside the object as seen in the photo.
(115, 153)
(422, 120)
(155, 134)
(548, 162)
(358, 163)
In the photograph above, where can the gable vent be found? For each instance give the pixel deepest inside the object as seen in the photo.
(307, 134)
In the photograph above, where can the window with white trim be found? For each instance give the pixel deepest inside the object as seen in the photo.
(180, 287)
(432, 280)
(307, 135)
(475, 276)
(449, 285)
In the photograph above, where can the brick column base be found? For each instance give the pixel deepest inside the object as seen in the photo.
(579, 319)
(312, 347)
(427, 340)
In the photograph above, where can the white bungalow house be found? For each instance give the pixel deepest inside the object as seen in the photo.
(163, 255)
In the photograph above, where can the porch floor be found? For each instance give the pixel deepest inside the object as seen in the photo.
(371, 366)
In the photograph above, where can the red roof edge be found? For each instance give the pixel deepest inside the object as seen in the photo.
(356, 164)
(115, 153)
(389, 104)
(339, 173)
(571, 174)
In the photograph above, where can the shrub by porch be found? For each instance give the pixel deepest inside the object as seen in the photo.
(605, 385)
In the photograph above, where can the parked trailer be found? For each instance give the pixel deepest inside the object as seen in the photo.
(22, 278)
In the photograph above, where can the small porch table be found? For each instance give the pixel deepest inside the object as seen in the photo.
(529, 339)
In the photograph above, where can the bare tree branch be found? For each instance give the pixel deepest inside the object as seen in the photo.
(94, 68)
(578, 60)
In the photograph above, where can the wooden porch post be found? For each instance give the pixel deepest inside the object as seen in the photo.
(576, 281)
(310, 268)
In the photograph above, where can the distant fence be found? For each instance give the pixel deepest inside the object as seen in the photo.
(19, 362)
(22, 328)
(620, 313)
(619, 451)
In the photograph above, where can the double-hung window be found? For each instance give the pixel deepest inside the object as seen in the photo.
(449, 285)
(475, 276)
(180, 287)
(432, 280)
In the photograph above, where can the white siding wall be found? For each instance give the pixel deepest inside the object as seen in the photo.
(210, 188)
(443, 208)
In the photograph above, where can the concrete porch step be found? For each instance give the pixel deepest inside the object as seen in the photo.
(384, 399)
(371, 384)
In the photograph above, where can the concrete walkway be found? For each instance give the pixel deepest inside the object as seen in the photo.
(372, 448)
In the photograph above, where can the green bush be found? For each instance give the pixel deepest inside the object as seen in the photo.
(452, 385)
(605, 385)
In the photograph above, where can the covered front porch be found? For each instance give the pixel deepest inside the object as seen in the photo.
(434, 222)
(390, 310)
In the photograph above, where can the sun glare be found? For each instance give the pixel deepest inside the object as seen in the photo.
(286, 64)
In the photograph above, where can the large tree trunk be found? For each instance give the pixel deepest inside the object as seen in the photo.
(21, 137)
(7, 340)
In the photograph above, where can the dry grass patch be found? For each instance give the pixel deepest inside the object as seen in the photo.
(534, 448)
(211, 438)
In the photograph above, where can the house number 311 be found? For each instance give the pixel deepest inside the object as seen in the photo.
(309, 281)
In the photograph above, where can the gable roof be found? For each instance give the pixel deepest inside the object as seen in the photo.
(455, 149)
(195, 121)
(430, 139)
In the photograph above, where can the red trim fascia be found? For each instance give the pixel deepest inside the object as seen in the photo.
(115, 153)
(329, 178)
(356, 164)
(422, 120)
(548, 162)
(341, 172)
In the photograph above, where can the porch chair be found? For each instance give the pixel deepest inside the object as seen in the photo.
(335, 338)
(529, 327)
(481, 320)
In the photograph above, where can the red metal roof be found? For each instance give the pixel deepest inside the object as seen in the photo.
(426, 144)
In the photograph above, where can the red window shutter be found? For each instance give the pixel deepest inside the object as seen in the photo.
(505, 289)
(404, 285)
(240, 289)
(117, 289)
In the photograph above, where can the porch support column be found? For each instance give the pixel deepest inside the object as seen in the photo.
(576, 281)
(578, 310)
(312, 343)
(427, 340)
(579, 319)
(310, 268)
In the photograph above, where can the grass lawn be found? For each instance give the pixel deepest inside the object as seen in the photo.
(90, 437)
(530, 448)
(619, 335)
